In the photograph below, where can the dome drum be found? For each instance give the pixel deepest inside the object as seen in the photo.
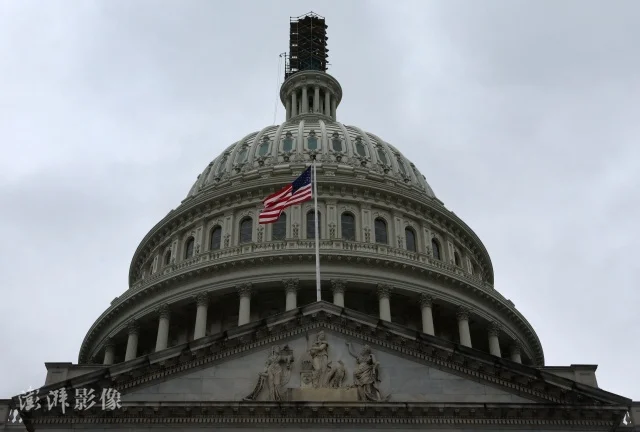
(311, 92)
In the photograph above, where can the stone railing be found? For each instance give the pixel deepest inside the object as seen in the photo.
(327, 248)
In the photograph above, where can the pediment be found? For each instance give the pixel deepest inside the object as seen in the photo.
(252, 375)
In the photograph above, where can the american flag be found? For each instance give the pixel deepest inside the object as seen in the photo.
(299, 191)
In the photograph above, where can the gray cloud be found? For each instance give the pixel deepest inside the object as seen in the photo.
(521, 114)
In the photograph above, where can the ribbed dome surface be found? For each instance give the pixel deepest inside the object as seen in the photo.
(298, 140)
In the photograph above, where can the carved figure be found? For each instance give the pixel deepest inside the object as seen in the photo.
(276, 374)
(366, 375)
(319, 353)
(337, 374)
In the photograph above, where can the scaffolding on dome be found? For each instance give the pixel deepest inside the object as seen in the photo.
(307, 44)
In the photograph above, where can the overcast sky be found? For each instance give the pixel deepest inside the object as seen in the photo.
(523, 115)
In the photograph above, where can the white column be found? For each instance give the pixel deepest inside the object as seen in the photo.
(494, 341)
(338, 286)
(132, 342)
(109, 352)
(316, 99)
(426, 305)
(294, 103)
(163, 327)
(288, 107)
(305, 101)
(384, 291)
(291, 290)
(333, 108)
(202, 302)
(327, 103)
(515, 352)
(244, 311)
(463, 326)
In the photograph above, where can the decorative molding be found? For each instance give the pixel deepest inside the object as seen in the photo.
(202, 299)
(383, 290)
(163, 311)
(133, 327)
(244, 290)
(290, 285)
(425, 300)
(494, 328)
(462, 314)
(338, 286)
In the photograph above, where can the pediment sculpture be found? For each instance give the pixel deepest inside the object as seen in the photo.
(319, 374)
(276, 374)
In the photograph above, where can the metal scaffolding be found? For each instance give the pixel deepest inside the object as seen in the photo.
(307, 44)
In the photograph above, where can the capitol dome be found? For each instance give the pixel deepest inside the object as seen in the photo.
(390, 319)
(389, 249)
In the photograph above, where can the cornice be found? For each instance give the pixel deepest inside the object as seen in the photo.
(346, 413)
(250, 192)
(237, 257)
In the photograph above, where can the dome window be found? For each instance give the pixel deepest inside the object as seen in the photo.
(264, 146)
(167, 257)
(348, 226)
(242, 154)
(380, 226)
(188, 250)
(312, 141)
(279, 230)
(456, 258)
(216, 237)
(401, 167)
(410, 239)
(287, 142)
(435, 246)
(360, 150)
(223, 163)
(336, 142)
(311, 224)
(246, 230)
(382, 157)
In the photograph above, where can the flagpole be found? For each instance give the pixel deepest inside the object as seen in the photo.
(315, 207)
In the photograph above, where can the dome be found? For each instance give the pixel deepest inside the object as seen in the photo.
(347, 149)
(388, 249)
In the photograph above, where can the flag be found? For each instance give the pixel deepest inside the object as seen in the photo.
(300, 190)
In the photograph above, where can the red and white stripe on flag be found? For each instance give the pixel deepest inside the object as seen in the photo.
(275, 203)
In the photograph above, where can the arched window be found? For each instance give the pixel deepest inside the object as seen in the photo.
(279, 230)
(263, 149)
(382, 157)
(167, 257)
(246, 230)
(150, 269)
(312, 141)
(401, 167)
(188, 248)
(215, 238)
(242, 154)
(311, 224)
(336, 142)
(348, 226)
(360, 147)
(456, 258)
(287, 142)
(410, 239)
(223, 163)
(436, 249)
(381, 231)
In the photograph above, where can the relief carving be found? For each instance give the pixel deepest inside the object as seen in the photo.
(276, 374)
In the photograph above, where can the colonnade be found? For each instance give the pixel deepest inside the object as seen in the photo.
(326, 106)
(291, 291)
